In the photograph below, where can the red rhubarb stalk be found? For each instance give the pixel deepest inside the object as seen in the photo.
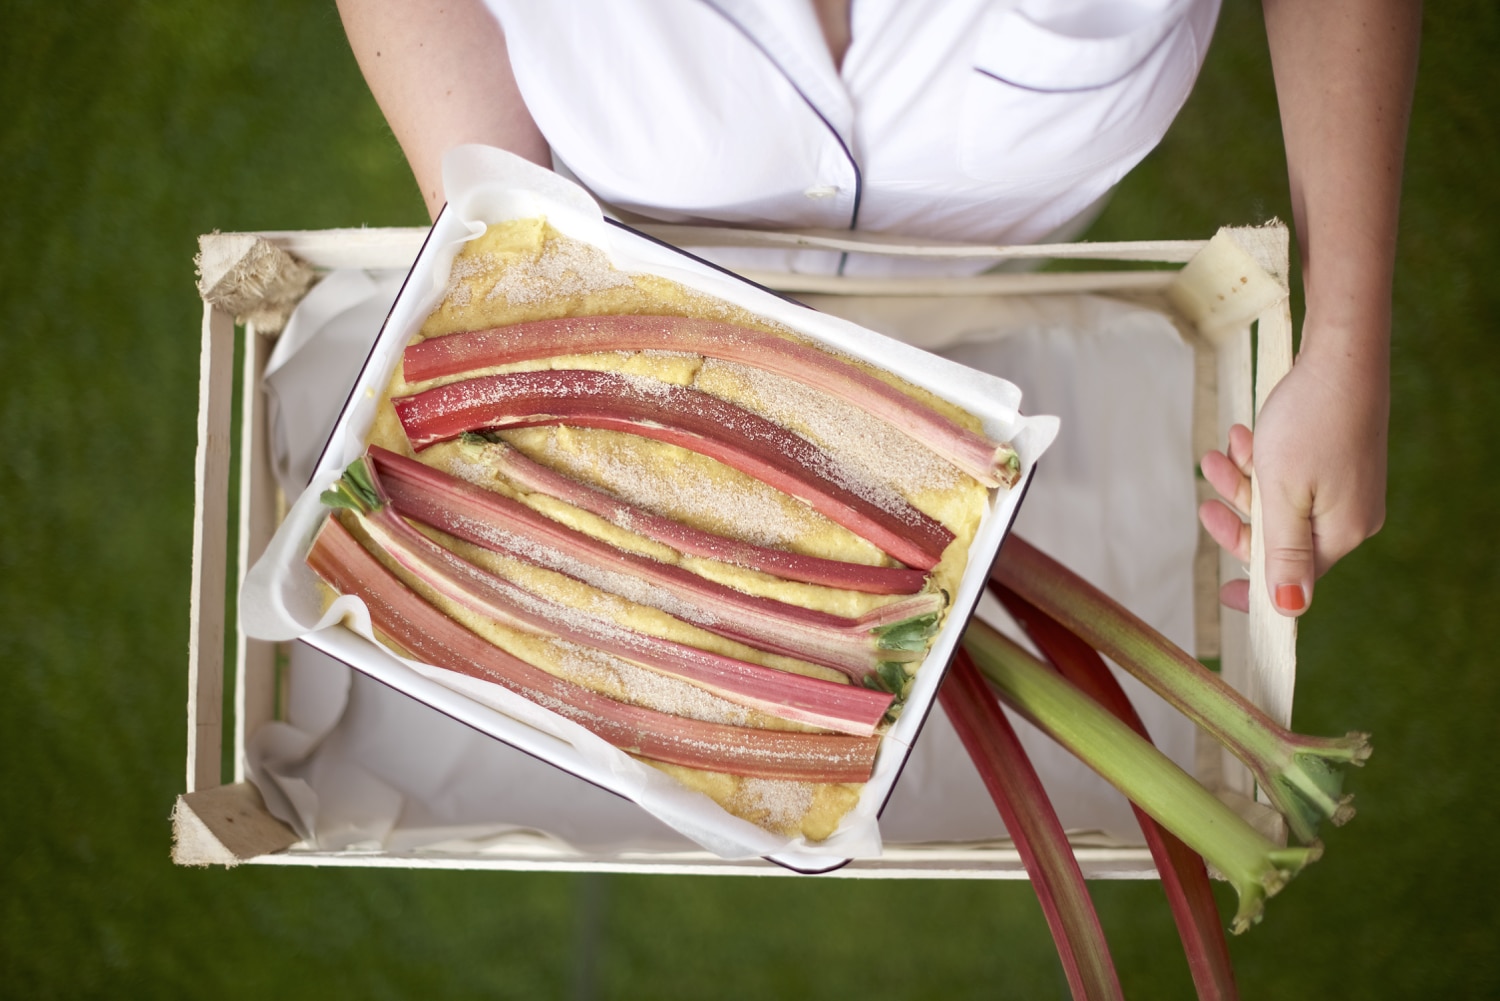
(1299, 774)
(1255, 867)
(423, 633)
(841, 707)
(687, 418)
(854, 646)
(989, 463)
(1033, 825)
(1184, 878)
(537, 478)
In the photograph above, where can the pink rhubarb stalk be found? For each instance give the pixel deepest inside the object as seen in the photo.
(1299, 774)
(855, 647)
(1033, 825)
(423, 633)
(989, 463)
(841, 707)
(684, 417)
(1253, 865)
(537, 478)
(1184, 878)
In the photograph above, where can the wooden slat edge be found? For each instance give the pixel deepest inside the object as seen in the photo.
(897, 863)
(1048, 283)
(1162, 251)
(1273, 636)
(225, 826)
(1236, 406)
(210, 551)
(383, 247)
(255, 660)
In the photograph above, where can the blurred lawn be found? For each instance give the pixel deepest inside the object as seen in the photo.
(132, 126)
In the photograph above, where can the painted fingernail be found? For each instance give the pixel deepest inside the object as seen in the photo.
(1290, 597)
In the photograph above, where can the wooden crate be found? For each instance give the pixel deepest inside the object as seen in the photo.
(1228, 300)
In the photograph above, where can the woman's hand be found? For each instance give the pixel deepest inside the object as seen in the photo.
(1319, 452)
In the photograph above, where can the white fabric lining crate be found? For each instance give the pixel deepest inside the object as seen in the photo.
(1230, 282)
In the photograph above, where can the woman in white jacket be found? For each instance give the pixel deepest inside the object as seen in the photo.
(995, 121)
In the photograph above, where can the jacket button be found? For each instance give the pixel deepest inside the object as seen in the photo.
(821, 191)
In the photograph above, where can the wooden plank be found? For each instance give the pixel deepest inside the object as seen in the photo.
(1236, 406)
(255, 660)
(1002, 284)
(1273, 636)
(398, 246)
(385, 247)
(1204, 436)
(898, 862)
(210, 551)
(1164, 251)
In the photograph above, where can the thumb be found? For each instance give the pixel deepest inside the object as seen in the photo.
(1290, 569)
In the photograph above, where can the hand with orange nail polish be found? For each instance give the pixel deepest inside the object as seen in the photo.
(1319, 452)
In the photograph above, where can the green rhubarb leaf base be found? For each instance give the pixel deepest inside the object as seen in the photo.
(909, 634)
(1310, 788)
(355, 490)
(1282, 865)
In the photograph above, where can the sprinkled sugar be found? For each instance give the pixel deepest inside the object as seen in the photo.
(779, 804)
(564, 269)
(599, 670)
(756, 514)
(871, 450)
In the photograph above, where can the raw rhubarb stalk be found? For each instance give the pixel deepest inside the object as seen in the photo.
(422, 632)
(855, 646)
(687, 418)
(1299, 774)
(1254, 866)
(1184, 878)
(841, 707)
(989, 463)
(537, 478)
(1034, 827)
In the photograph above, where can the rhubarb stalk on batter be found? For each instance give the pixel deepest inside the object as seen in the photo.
(896, 632)
(685, 417)
(533, 477)
(841, 707)
(990, 463)
(422, 632)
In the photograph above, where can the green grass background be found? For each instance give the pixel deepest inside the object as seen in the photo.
(131, 126)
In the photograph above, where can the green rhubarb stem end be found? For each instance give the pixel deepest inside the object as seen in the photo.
(1253, 865)
(1295, 771)
(909, 634)
(355, 490)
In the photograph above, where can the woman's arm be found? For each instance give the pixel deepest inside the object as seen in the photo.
(441, 75)
(1345, 71)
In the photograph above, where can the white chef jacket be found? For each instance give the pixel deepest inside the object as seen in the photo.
(993, 121)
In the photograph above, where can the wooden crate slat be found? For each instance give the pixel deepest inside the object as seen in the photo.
(1160, 251)
(255, 660)
(1001, 284)
(210, 551)
(1273, 636)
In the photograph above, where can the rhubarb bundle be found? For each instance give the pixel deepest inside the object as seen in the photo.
(711, 542)
(1076, 701)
